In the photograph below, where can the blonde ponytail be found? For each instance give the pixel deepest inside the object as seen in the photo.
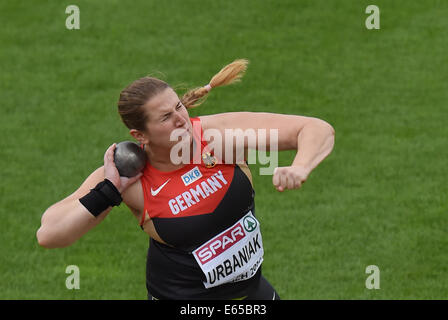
(231, 73)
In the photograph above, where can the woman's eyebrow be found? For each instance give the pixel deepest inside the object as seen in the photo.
(169, 112)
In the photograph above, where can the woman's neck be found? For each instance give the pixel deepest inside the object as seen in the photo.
(160, 158)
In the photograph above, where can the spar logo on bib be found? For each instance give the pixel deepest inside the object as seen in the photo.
(233, 255)
(219, 244)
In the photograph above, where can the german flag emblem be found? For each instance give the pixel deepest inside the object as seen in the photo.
(208, 159)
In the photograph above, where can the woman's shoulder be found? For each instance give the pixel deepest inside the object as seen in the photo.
(224, 120)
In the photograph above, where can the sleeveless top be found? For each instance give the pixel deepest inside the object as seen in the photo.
(205, 214)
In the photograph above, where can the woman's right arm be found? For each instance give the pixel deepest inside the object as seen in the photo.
(68, 220)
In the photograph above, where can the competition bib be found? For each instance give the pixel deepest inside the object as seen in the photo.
(233, 255)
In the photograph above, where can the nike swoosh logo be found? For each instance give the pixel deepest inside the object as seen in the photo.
(155, 192)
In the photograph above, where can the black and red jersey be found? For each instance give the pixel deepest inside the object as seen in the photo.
(199, 205)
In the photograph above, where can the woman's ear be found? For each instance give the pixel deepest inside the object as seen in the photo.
(139, 136)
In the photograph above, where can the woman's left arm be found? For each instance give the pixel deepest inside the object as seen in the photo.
(313, 139)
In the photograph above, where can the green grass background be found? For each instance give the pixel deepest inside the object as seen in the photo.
(379, 199)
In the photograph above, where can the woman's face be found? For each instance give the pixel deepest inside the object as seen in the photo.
(166, 113)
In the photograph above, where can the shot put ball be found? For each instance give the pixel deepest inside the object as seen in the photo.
(129, 159)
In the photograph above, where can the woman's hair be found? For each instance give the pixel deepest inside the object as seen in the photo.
(133, 97)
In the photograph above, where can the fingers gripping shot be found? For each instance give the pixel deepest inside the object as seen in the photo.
(205, 239)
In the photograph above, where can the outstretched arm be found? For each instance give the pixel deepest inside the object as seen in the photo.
(68, 220)
(315, 142)
(313, 139)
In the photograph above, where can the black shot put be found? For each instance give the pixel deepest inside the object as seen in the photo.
(129, 159)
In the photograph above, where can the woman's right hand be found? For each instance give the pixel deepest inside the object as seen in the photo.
(111, 171)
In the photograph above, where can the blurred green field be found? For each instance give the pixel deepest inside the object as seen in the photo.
(379, 199)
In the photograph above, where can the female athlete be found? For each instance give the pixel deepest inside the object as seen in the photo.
(205, 239)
